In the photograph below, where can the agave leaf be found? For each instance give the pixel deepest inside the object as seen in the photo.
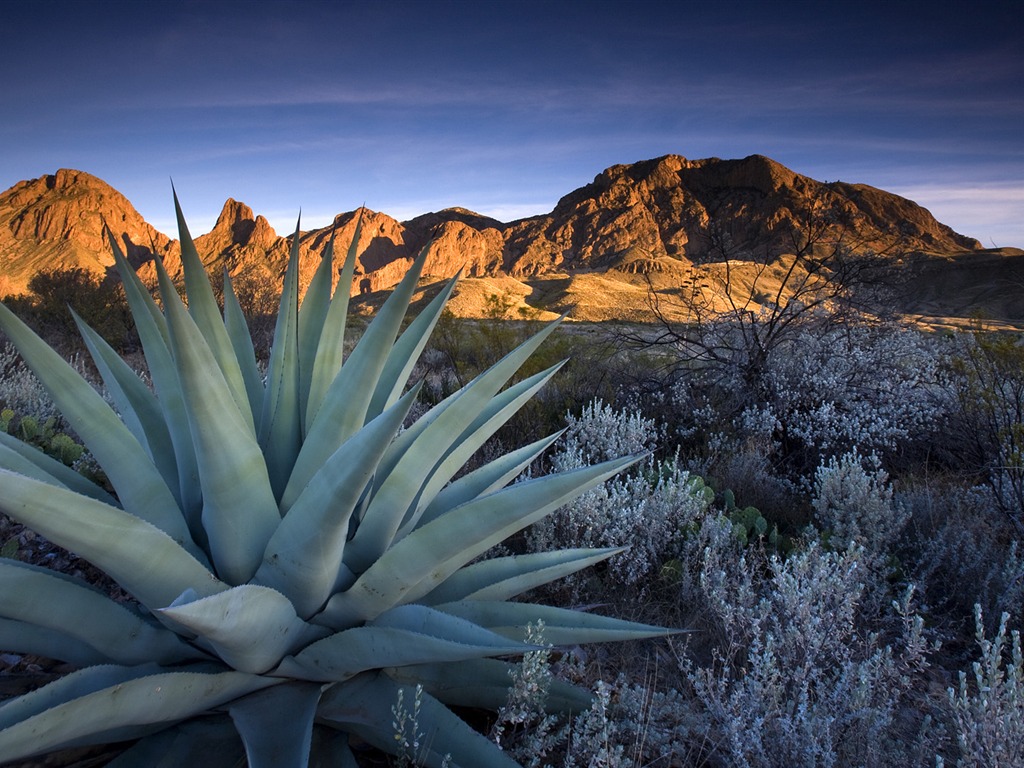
(139, 556)
(498, 411)
(312, 317)
(562, 626)
(28, 460)
(136, 403)
(280, 433)
(330, 344)
(407, 350)
(202, 306)
(70, 687)
(152, 329)
(239, 510)
(345, 404)
(127, 706)
(477, 412)
(273, 741)
(426, 557)
(408, 634)
(250, 627)
(46, 599)
(363, 706)
(305, 553)
(208, 742)
(483, 684)
(331, 749)
(486, 479)
(21, 637)
(502, 578)
(138, 482)
(241, 342)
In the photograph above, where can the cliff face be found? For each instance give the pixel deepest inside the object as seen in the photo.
(58, 222)
(679, 208)
(656, 215)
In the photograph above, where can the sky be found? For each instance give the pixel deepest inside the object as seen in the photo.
(504, 107)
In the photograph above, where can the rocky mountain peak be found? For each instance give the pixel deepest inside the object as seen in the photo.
(661, 215)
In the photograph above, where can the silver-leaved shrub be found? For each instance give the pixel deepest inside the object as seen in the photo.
(646, 511)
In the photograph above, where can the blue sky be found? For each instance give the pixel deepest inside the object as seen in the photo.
(503, 107)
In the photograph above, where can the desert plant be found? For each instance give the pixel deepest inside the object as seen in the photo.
(796, 681)
(287, 551)
(989, 716)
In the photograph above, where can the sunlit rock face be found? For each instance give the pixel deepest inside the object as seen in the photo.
(660, 216)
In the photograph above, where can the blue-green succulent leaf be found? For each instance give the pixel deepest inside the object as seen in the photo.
(409, 634)
(490, 477)
(304, 555)
(483, 684)
(139, 408)
(239, 510)
(207, 742)
(363, 706)
(316, 303)
(143, 559)
(280, 432)
(139, 484)
(330, 344)
(152, 329)
(60, 603)
(343, 410)
(28, 460)
(502, 578)
(250, 627)
(407, 350)
(202, 306)
(241, 342)
(276, 724)
(131, 704)
(398, 495)
(498, 411)
(417, 564)
(21, 637)
(562, 626)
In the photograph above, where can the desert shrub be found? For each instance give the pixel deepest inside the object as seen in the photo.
(100, 303)
(20, 390)
(989, 714)
(962, 550)
(853, 501)
(629, 723)
(646, 510)
(985, 393)
(797, 681)
(820, 394)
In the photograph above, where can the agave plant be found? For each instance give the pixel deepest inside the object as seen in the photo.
(296, 557)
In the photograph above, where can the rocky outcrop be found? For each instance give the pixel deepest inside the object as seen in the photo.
(60, 221)
(654, 216)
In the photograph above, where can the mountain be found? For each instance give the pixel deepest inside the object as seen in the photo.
(594, 255)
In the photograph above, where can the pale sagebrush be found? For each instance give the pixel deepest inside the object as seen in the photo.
(20, 390)
(857, 386)
(988, 706)
(965, 552)
(645, 510)
(854, 502)
(797, 681)
(876, 388)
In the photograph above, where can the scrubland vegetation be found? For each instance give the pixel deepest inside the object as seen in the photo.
(839, 534)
